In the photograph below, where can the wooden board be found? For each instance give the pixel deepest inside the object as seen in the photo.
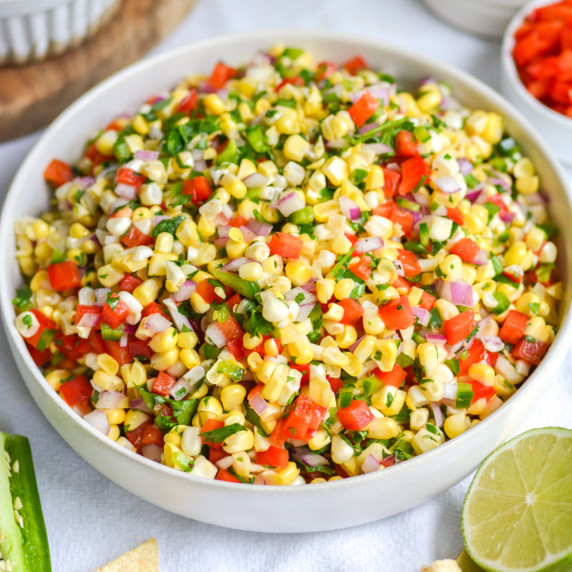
(31, 96)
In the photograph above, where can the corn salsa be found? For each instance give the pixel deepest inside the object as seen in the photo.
(290, 272)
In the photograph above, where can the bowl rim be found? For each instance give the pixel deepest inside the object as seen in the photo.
(509, 65)
(265, 38)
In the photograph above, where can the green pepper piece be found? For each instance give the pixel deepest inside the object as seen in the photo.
(409, 205)
(346, 396)
(24, 542)
(303, 216)
(230, 153)
(464, 395)
(230, 370)
(243, 287)
(255, 136)
(502, 303)
(108, 333)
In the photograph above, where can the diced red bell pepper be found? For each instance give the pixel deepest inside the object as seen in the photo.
(286, 245)
(481, 391)
(405, 144)
(135, 237)
(230, 329)
(392, 180)
(474, 354)
(532, 352)
(224, 475)
(304, 419)
(190, 102)
(278, 436)
(363, 108)
(459, 327)
(216, 455)
(295, 80)
(45, 324)
(58, 173)
(120, 354)
(353, 311)
(386, 210)
(361, 268)
(82, 310)
(356, 416)
(455, 215)
(395, 377)
(237, 221)
(136, 436)
(72, 347)
(206, 291)
(397, 314)
(116, 315)
(409, 262)
(153, 308)
(127, 176)
(427, 301)
(139, 348)
(211, 425)
(76, 390)
(64, 275)
(199, 188)
(235, 348)
(96, 342)
(402, 286)
(335, 383)
(151, 435)
(324, 70)
(220, 75)
(40, 358)
(276, 457)
(163, 384)
(355, 64)
(96, 158)
(466, 249)
(513, 327)
(414, 172)
(304, 369)
(404, 219)
(129, 283)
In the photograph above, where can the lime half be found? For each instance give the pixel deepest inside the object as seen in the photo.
(517, 515)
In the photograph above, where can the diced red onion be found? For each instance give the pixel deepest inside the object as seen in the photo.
(111, 400)
(304, 312)
(176, 389)
(368, 244)
(436, 339)
(290, 203)
(224, 230)
(308, 457)
(159, 218)
(309, 298)
(498, 180)
(216, 336)
(258, 227)
(354, 346)
(465, 166)
(450, 390)
(378, 148)
(437, 413)
(248, 235)
(349, 208)
(427, 79)
(139, 404)
(399, 267)
(421, 314)
(157, 323)
(458, 293)
(259, 479)
(370, 465)
(473, 195)
(185, 291)
(84, 182)
(123, 341)
(178, 319)
(146, 155)
(492, 343)
(448, 185)
(152, 452)
(227, 211)
(310, 286)
(130, 328)
(118, 204)
(89, 320)
(221, 242)
(507, 217)
(225, 462)
(368, 127)
(378, 91)
(98, 420)
(481, 258)
(258, 403)
(200, 165)
(235, 264)
(256, 180)
(101, 296)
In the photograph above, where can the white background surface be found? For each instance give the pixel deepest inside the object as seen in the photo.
(91, 521)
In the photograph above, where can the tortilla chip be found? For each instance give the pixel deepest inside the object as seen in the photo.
(143, 558)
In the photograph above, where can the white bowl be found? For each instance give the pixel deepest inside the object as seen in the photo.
(481, 17)
(269, 508)
(32, 30)
(553, 126)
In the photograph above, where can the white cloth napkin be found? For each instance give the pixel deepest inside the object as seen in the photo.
(91, 521)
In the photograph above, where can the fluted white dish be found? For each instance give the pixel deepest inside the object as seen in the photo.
(553, 126)
(326, 506)
(32, 30)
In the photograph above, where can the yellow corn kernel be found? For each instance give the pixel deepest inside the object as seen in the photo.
(214, 104)
(323, 211)
(528, 303)
(446, 309)
(494, 129)
(109, 276)
(456, 424)
(209, 408)
(373, 324)
(298, 272)
(482, 373)
(388, 350)
(190, 358)
(232, 396)
(383, 428)
(238, 442)
(527, 185)
(107, 364)
(344, 288)
(296, 148)
(476, 219)
(365, 348)
(425, 440)
(347, 338)
(336, 170)
(516, 253)
(430, 99)
(104, 143)
(325, 289)
(164, 341)
(147, 291)
(535, 327)
(165, 360)
(321, 392)
(115, 416)
(301, 351)
(108, 382)
(511, 293)
(56, 377)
